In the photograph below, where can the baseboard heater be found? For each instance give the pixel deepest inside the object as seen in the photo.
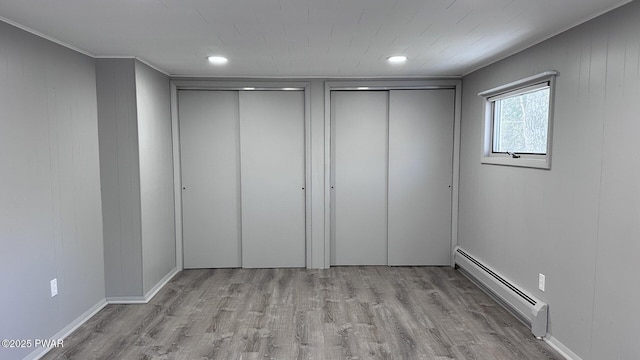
(523, 305)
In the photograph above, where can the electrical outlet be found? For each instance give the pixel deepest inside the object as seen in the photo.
(54, 287)
(541, 281)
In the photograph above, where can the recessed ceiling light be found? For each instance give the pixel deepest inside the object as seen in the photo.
(218, 60)
(249, 88)
(363, 88)
(397, 59)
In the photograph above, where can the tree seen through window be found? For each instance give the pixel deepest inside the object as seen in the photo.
(521, 123)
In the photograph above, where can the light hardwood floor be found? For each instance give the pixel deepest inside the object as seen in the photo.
(370, 312)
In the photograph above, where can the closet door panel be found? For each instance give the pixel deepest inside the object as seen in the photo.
(420, 175)
(209, 151)
(359, 177)
(272, 178)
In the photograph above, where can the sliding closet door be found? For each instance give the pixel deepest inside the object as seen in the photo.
(420, 175)
(210, 177)
(359, 177)
(272, 180)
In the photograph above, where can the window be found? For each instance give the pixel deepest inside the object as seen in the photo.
(518, 119)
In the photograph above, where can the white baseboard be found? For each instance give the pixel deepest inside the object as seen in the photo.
(67, 330)
(119, 300)
(561, 348)
(148, 296)
(154, 290)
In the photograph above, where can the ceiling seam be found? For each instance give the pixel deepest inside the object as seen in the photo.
(46, 37)
(132, 57)
(73, 48)
(322, 77)
(534, 43)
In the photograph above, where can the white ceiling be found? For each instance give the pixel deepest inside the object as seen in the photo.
(314, 38)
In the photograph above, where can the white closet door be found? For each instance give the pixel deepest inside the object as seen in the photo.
(420, 175)
(272, 180)
(359, 177)
(209, 153)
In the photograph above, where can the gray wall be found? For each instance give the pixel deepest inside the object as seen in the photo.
(153, 95)
(120, 176)
(577, 223)
(136, 170)
(50, 209)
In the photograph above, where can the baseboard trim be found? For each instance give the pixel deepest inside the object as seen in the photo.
(164, 281)
(67, 330)
(561, 348)
(120, 300)
(75, 324)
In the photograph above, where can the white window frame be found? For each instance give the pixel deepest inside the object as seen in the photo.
(540, 161)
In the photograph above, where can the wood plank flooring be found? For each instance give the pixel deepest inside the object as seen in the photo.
(371, 312)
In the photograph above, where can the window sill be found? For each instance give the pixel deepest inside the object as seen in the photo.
(541, 162)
